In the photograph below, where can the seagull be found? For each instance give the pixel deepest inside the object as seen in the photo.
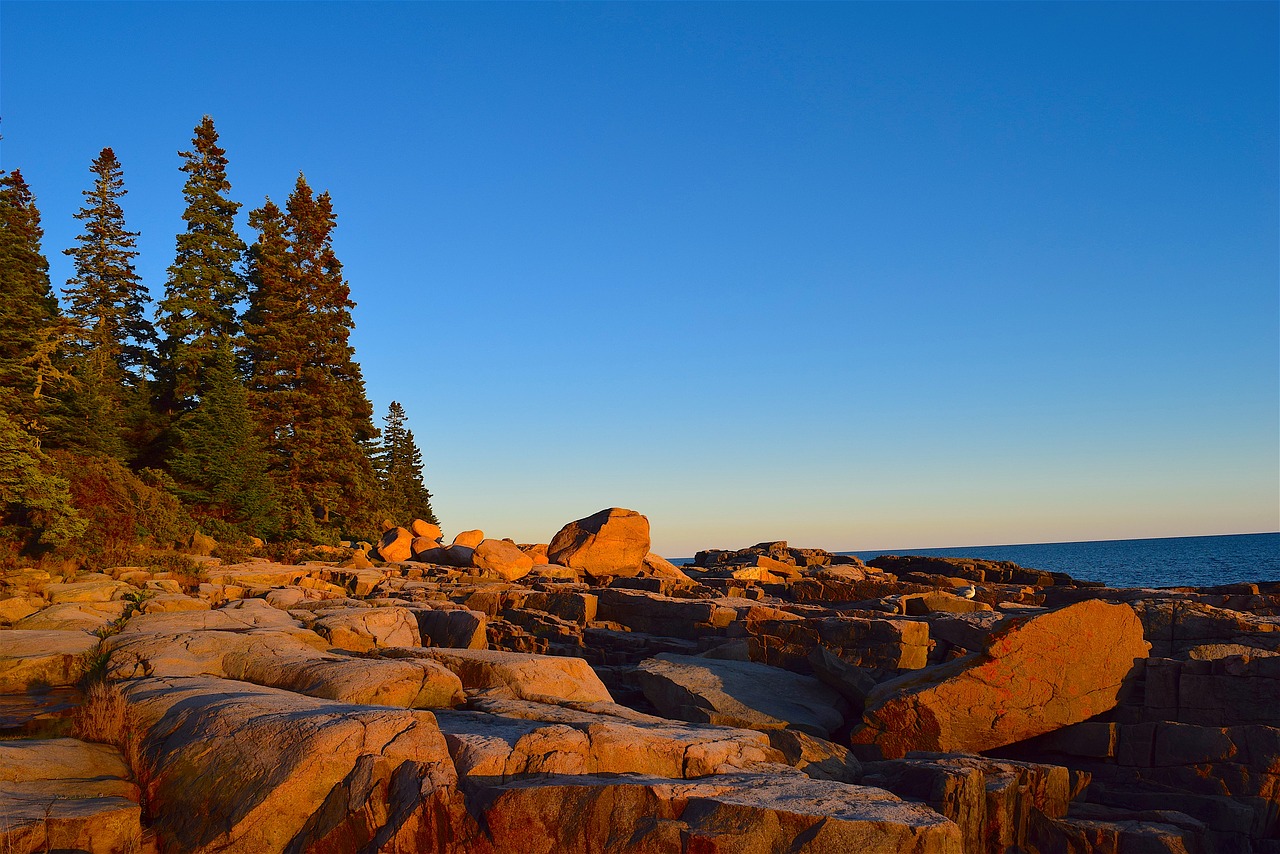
(968, 592)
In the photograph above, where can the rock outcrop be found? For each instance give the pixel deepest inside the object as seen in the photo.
(588, 695)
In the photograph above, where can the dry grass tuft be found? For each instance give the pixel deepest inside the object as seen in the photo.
(105, 716)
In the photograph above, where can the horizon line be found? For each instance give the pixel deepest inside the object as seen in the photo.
(916, 550)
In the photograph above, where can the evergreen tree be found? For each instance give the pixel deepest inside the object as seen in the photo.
(106, 298)
(205, 284)
(111, 339)
(217, 457)
(400, 468)
(31, 329)
(307, 389)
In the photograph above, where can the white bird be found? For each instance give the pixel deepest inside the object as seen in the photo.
(968, 592)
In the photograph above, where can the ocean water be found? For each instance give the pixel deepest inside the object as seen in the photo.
(1166, 562)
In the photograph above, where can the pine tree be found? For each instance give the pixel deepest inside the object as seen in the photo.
(112, 340)
(205, 285)
(307, 389)
(217, 455)
(31, 328)
(400, 468)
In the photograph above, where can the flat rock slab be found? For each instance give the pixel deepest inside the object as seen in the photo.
(88, 591)
(66, 795)
(279, 659)
(73, 616)
(42, 659)
(524, 676)
(566, 741)
(1037, 675)
(729, 814)
(242, 768)
(242, 616)
(740, 694)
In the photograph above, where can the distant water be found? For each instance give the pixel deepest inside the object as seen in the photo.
(1166, 562)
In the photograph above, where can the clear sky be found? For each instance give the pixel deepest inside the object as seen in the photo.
(854, 275)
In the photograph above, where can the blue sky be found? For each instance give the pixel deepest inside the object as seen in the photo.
(854, 275)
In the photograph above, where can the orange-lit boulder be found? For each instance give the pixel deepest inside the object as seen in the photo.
(396, 544)
(470, 539)
(1042, 673)
(420, 528)
(502, 558)
(611, 542)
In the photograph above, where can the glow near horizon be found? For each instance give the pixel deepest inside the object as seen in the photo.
(853, 276)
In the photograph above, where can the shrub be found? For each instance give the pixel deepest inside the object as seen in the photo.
(123, 510)
(230, 553)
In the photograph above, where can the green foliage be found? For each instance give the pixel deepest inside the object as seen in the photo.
(123, 509)
(217, 458)
(307, 391)
(400, 468)
(205, 284)
(37, 503)
(30, 331)
(236, 552)
(174, 562)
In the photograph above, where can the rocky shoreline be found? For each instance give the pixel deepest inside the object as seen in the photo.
(585, 695)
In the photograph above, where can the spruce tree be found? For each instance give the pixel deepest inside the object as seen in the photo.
(217, 457)
(31, 329)
(308, 391)
(111, 339)
(400, 468)
(205, 285)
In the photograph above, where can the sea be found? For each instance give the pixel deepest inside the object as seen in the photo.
(1164, 562)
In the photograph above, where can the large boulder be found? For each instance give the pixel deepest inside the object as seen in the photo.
(501, 558)
(396, 545)
(240, 768)
(422, 528)
(741, 694)
(469, 539)
(611, 542)
(1037, 675)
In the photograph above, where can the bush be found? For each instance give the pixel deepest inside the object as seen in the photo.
(232, 553)
(184, 569)
(123, 510)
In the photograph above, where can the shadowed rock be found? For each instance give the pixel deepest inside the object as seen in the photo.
(740, 693)
(66, 795)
